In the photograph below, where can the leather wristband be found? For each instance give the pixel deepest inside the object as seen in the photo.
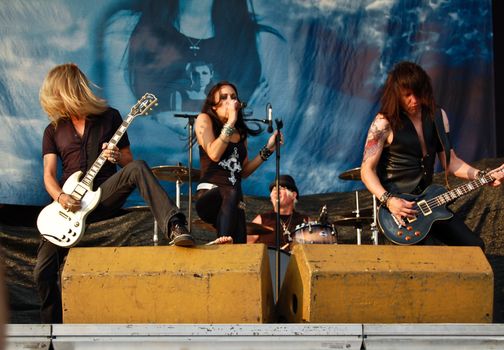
(265, 153)
(384, 198)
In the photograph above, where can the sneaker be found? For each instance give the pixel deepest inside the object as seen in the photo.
(179, 235)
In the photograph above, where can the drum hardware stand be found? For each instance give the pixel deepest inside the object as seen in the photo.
(155, 237)
(190, 123)
(334, 232)
(357, 215)
(374, 224)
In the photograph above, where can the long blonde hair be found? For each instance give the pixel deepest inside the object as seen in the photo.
(66, 91)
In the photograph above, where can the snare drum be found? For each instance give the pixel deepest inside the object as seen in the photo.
(314, 233)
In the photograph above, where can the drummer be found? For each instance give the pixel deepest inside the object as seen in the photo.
(289, 217)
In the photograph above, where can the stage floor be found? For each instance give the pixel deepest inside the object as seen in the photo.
(248, 336)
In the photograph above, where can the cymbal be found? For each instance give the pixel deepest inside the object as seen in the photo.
(252, 227)
(258, 229)
(352, 174)
(353, 221)
(368, 211)
(175, 172)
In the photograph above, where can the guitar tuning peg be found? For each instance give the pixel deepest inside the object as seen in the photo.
(156, 104)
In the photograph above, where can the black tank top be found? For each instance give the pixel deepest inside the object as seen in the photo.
(402, 167)
(227, 171)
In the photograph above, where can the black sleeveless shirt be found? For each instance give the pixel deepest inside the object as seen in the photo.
(227, 171)
(402, 167)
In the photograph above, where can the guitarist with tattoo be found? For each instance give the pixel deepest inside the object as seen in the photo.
(398, 164)
(81, 134)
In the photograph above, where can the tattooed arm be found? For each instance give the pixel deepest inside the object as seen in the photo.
(379, 135)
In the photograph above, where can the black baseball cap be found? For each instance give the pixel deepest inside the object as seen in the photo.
(286, 181)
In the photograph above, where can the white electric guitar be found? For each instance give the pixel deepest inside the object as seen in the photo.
(64, 227)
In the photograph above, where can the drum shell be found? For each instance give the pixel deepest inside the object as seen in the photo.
(314, 233)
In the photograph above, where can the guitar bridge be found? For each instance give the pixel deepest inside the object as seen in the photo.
(424, 207)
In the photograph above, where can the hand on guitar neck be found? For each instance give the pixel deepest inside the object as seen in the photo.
(497, 174)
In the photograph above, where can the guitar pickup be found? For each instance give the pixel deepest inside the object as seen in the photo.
(424, 207)
(410, 220)
(64, 215)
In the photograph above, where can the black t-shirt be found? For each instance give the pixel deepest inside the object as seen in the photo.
(79, 154)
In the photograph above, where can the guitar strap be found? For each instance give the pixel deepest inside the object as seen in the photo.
(444, 137)
(93, 147)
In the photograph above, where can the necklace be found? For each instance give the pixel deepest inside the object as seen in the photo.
(193, 46)
(285, 225)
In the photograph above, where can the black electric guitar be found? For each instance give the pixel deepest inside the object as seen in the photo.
(64, 227)
(430, 206)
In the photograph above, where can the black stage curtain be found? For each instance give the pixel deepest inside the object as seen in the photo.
(483, 212)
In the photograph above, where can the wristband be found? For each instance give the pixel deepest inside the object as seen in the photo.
(59, 195)
(265, 153)
(384, 198)
(227, 130)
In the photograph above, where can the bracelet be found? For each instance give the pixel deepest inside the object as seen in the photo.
(227, 130)
(384, 198)
(265, 153)
(59, 195)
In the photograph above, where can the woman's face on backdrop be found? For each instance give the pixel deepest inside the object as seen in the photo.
(201, 76)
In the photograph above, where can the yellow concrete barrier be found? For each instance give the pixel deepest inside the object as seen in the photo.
(387, 284)
(205, 284)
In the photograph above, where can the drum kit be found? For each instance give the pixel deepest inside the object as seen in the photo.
(312, 232)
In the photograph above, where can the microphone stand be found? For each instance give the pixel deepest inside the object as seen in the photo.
(279, 125)
(190, 123)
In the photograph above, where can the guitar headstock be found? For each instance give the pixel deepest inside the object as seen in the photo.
(144, 105)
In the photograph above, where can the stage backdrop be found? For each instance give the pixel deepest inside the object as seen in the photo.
(319, 63)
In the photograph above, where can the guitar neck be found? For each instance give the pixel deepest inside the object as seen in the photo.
(97, 165)
(462, 190)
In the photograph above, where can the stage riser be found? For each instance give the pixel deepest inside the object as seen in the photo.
(215, 284)
(387, 284)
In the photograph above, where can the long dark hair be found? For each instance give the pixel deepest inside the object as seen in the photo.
(217, 124)
(406, 75)
(235, 31)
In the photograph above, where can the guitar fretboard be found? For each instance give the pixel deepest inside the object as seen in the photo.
(87, 180)
(457, 192)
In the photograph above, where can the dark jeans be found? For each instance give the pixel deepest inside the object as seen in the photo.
(220, 207)
(453, 232)
(115, 191)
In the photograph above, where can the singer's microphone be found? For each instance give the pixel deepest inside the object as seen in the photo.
(269, 112)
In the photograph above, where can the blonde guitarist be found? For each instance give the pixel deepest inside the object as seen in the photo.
(398, 164)
(90, 138)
